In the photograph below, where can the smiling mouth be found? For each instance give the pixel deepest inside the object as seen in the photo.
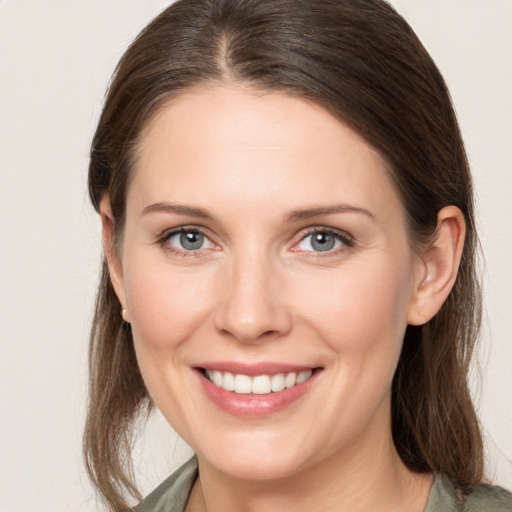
(258, 384)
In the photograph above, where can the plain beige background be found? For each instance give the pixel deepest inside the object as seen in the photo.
(56, 58)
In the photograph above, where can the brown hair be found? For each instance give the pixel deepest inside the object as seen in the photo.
(361, 61)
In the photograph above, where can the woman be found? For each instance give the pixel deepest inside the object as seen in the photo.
(289, 266)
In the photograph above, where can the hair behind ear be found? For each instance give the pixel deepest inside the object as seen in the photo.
(117, 395)
(434, 423)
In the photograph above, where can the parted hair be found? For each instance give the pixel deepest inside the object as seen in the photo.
(361, 61)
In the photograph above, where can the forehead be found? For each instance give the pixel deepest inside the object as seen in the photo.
(266, 147)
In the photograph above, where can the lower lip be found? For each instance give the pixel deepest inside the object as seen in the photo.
(253, 405)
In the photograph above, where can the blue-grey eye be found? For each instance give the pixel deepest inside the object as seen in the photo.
(189, 240)
(320, 241)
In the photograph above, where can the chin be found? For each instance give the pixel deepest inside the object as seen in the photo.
(257, 459)
(257, 468)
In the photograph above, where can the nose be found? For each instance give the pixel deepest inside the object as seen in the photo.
(252, 301)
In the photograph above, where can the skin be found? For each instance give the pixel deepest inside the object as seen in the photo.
(257, 290)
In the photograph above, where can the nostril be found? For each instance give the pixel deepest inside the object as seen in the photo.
(254, 322)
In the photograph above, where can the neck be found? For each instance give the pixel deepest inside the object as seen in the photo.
(368, 475)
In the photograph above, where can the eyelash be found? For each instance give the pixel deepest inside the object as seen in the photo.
(346, 240)
(163, 241)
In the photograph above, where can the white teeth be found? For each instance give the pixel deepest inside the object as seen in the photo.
(243, 384)
(258, 385)
(303, 376)
(228, 383)
(277, 382)
(289, 380)
(261, 385)
(217, 378)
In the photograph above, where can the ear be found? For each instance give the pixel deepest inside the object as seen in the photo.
(438, 266)
(114, 262)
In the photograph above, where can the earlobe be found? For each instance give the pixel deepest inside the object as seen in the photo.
(109, 249)
(438, 267)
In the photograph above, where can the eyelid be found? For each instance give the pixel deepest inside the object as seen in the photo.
(346, 239)
(164, 237)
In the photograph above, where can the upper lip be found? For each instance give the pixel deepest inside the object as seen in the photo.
(253, 369)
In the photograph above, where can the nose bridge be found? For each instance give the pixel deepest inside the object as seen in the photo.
(251, 304)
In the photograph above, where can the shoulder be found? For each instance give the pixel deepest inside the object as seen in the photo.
(487, 498)
(172, 493)
(483, 498)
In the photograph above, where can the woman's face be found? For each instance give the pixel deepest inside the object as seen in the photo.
(265, 247)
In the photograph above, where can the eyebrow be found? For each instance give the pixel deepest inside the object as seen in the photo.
(180, 209)
(307, 213)
(293, 216)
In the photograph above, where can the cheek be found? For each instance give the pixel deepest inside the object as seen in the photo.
(165, 305)
(360, 311)
(361, 315)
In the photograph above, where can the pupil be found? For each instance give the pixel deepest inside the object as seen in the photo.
(191, 240)
(322, 242)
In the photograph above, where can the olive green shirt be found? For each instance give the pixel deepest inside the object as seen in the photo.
(172, 495)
